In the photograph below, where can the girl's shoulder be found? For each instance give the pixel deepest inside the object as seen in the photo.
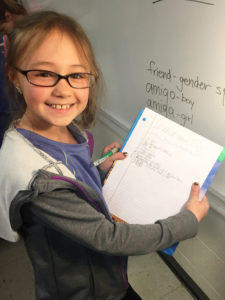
(20, 160)
(16, 152)
(19, 164)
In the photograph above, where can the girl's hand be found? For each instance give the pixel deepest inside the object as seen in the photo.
(107, 164)
(198, 207)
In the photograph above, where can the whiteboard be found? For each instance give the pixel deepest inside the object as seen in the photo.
(168, 55)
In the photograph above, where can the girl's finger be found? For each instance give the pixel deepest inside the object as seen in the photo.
(111, 146)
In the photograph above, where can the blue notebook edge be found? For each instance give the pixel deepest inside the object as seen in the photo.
(212, 174)
(132, 128)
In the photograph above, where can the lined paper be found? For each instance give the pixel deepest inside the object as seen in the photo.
(164, 159)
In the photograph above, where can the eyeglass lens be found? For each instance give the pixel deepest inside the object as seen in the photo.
(47, 78)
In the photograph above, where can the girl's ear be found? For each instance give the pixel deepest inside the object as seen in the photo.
(13, 77)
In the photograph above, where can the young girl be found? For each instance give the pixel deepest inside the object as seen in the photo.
(50, 191)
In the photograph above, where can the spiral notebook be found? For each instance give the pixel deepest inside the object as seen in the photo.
(164, 159)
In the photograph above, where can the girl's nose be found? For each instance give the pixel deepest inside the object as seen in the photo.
(63, 89)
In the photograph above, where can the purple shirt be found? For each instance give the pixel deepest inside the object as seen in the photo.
(75, 156)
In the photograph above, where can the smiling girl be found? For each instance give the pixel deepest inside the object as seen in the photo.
(50, 190)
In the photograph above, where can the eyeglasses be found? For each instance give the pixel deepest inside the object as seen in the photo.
(45, 78)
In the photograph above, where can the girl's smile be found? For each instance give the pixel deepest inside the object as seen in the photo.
(60, 106)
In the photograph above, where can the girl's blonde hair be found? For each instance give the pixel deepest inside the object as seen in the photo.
(29, 34)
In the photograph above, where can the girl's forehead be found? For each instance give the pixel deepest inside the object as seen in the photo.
(57, 48)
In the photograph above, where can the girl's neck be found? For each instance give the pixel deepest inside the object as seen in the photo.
(56, 133)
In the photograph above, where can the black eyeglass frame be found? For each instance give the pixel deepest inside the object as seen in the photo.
(66, 77)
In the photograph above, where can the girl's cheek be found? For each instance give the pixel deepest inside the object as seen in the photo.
(85, 94)
(36, 94)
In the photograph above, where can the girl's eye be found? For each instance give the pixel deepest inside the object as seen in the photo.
(77, 76)
(44, 74)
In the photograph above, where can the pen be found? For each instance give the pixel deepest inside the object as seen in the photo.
(105, 156)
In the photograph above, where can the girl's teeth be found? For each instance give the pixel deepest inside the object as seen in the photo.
(58, 106)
